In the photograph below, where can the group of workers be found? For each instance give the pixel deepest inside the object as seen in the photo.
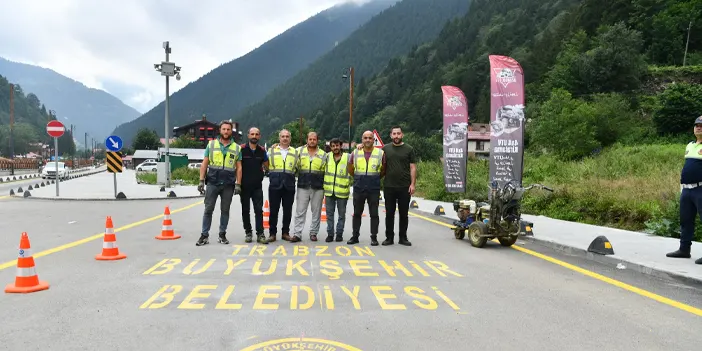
(307, 176)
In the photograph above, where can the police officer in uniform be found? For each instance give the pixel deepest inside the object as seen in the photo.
(690, 194)
(283, 163)
(366, 165)
(221, 170)
(337, 187)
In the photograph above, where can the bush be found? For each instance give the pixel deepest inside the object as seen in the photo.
(628, 187)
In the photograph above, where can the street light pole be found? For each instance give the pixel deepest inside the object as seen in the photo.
(351, 72)
(12, 127)
(167, 69)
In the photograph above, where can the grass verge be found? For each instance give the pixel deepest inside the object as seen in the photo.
(189, 176)
(627, 187)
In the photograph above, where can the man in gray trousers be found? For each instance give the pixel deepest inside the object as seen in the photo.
(310, 187)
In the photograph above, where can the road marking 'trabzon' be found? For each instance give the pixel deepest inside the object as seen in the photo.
(600, 277)
(13, 263)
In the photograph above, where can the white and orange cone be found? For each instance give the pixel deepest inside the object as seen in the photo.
(167, 232)
(266, 215)
(26, 279)
(110, 251)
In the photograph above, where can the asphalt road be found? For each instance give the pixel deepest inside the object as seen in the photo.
(442, 294)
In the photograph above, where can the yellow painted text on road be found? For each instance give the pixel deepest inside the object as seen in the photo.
(302, 250)
(300, 267)
(300, 297)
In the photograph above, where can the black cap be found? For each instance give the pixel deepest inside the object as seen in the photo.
(698, 120)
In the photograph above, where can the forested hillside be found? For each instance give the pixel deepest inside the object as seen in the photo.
(227, 89)
(609, 106)
(91, 110)
(395, 31)
(31, 117)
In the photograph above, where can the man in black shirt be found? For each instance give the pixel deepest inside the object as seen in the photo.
(690, 194)
(400, 178)
(254, 162)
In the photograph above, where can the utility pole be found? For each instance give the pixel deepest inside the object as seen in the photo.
(689, 26)
(301, 142)
(12, 129)
(86, 146)
(167, 69)
(73, 156)
(351, 73)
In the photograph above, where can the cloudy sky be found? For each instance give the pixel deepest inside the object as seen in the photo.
(113, 45)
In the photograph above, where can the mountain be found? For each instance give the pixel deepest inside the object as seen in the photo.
(227, 89)
(389, 34)
(90, 110)
(30, 119)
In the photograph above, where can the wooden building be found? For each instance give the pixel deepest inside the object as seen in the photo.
(204, 131)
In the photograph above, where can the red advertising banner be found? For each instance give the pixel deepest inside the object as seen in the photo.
(455, 139)
(506, 120)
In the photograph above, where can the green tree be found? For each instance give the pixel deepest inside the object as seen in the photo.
(146, 139)
(679, 104)
(186, 142)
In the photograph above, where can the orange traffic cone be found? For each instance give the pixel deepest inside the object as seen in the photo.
(110, 251)
(324, 210)
(26, 280)
(266, 215)
(167, 232)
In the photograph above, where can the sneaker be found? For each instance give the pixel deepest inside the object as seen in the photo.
(204, 240)
(261, 239)
(223, 238)
(679, 254)
(249, 237)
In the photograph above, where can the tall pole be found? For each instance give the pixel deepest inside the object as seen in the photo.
(689, 26)
(350, 106)
(12, 127)
(56, 165)
(86, 146)
(301, 143)
(168, 102)
(73, 156)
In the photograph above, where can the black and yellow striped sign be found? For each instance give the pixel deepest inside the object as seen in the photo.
(113, 161)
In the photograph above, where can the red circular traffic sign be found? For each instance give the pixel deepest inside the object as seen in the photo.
(55, 129)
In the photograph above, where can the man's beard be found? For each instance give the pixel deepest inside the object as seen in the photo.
(397, 140)
(225, 137)
(253, 141)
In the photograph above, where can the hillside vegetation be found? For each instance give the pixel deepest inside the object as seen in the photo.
(391, 33)
(226, 90)
(31, 117)
(609, 106)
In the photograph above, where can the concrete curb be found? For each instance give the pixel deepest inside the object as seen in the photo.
(32, 197)
(608, 260)
(48, 181)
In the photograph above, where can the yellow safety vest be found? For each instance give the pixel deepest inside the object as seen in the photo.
(314, 165)
(221, 167)
(693, 150)
(336, 177)
(366, 175)
(279, 165)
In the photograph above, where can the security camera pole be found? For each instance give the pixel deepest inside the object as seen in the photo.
(167, 69)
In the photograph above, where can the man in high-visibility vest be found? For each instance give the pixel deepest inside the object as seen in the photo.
(690, 194)
(310, 187)
(282, 164)
(367, 166)
(337, 187)
(221, 170)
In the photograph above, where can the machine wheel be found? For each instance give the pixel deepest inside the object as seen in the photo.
(474, 231)
(507, 240)
(459, 233)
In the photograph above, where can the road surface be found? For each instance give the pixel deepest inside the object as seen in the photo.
(438, 294)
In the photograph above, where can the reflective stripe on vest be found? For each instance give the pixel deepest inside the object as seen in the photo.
(336, 177)
(280, 165)
(315, 166)
(222, 159)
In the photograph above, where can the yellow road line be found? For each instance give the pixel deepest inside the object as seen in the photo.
(96, 236)
(600, 277)
(4, 197)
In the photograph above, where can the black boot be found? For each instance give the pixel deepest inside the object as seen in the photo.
(374, 240)
(403, 241)
(698, 261)
(339, 238)
(679, 254)
(388, 241)
(330, 238)
(353, 240)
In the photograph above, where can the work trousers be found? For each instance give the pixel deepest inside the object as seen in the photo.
(286, 197)
(248, 196)
(359, 203)
(334, 203)
(225, 192)
(308, 197)
(690, 208)
(400, 198)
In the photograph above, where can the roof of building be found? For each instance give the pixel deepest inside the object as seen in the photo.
(476, 135)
